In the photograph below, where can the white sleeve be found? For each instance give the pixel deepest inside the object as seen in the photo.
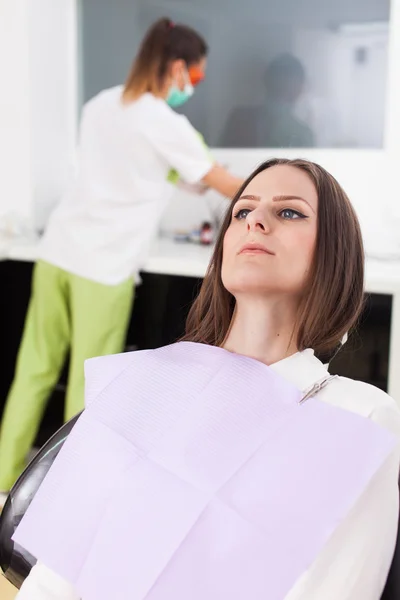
(181, 146)
(44, 584)
(355, 562)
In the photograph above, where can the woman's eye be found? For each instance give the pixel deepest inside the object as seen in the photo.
(242, 213)
(290, 214)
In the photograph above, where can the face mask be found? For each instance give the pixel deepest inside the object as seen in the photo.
(177, 97)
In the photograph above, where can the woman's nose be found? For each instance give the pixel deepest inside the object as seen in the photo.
(257, 221)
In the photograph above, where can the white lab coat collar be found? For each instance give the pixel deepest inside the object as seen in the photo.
(302, 369)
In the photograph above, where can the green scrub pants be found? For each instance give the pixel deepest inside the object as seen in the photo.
(65, 312)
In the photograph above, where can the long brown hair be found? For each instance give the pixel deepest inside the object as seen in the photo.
(333, 298)
(164, 42)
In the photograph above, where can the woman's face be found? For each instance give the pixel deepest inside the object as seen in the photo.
(269, 244)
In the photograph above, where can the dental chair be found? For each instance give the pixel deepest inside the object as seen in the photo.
(15, 562)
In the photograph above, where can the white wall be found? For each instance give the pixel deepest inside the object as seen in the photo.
(37, 104)
(53, 101)
(15, 151)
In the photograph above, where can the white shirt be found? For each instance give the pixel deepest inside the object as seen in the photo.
(103, 227)
(354, 563)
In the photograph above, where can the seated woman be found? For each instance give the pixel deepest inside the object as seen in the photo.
(232, 465)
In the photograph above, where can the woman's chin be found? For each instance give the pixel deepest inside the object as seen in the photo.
(250, 276)
(250, 283)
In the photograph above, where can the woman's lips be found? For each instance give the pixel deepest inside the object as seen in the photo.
(255, 249)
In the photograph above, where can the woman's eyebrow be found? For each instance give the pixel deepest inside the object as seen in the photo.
(282, 198)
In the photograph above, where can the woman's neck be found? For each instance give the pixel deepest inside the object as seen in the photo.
(262, 330)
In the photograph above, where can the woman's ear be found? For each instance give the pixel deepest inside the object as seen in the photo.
(176, 72)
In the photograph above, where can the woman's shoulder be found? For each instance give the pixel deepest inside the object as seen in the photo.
(155, 107)
(101, 371)
(364, 399)
(156, 114)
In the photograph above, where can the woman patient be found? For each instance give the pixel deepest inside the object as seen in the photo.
(232, 465)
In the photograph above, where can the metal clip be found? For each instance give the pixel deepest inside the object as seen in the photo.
(317, 387)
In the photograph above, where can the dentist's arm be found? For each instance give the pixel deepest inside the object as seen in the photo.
(222, 181)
